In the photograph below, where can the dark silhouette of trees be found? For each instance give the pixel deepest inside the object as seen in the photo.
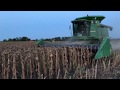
(17, 39)
(24, 38)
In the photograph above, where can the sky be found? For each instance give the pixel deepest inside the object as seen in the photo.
(49, 24)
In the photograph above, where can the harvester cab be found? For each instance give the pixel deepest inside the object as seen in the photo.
(90, 30)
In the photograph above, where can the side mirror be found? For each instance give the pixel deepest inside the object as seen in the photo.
(70, 28)
(111, 28)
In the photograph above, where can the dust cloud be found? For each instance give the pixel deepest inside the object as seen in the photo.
(115, 43)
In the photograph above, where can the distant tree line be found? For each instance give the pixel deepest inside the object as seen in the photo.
(17, 39)
(28, 39)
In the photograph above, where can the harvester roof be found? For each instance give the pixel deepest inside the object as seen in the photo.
(89, 18)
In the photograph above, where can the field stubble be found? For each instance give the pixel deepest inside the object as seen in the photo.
(23, 60)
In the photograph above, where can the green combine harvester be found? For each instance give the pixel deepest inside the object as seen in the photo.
(87, 32)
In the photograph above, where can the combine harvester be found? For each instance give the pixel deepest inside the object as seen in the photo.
(88, 32)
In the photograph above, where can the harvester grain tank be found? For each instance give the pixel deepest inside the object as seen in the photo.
(90, 30)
